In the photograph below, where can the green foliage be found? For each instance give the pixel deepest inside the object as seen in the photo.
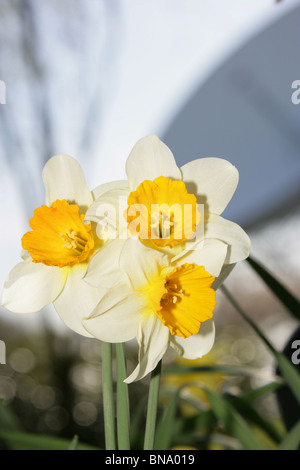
(232, 418)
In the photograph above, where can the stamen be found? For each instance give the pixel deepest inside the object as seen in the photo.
(172, 295)
(169, 224)
(73, 241)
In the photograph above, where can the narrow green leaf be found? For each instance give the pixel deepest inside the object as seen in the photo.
(223, 369)
(288, 371)
(152, 408)
(260, 392)
(74, 444)
(8, 420)
(136, 423)
(249, 412)
(37, 442)
(165, 429)
(232, 422)
(108, 397)
(123, 418)
(292, 440)
(281, 292)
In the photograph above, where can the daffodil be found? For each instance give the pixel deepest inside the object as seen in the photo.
(172, 209)
(158, 302)
(57, 250)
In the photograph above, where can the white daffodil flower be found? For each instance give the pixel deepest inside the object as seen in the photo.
(57, 250)
(158, 302)
(148, 204)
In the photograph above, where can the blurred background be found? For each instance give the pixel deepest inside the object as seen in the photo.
(89, 78)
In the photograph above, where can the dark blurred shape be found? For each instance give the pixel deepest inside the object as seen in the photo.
(288, 404)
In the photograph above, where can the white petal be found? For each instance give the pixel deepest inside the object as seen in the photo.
(150, 158)
(104, 267)
(226, 270)
(213, 180)
(141, 263)
(115, 319)
(103, 188)
(197, 345)
(31, 286)
(211, 254)
(64, 179)
(218, 228)
(77, 300)
(108, 212)
(230, 233)
(153, 338)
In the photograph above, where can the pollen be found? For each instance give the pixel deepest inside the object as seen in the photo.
(185, 299)
(162, 211)
(59, 237)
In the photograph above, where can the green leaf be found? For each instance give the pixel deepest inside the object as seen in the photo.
(281, 292)
(248, 411)
(260, 392)
(36, 442)
(74, 444)
(288, 370)
(8, 420)
(164, 432)
(292, 440)
(232, 422)
(213, 369)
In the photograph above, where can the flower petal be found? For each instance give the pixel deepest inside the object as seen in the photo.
(103, 269)
(107, 211)
(211, 254)
(153, 338)
(115, 319)
(77, 300)
(31, 286)
(225, 271)
(218, 228)
(213, 180)
(141, 263)
(103, 188)
(231, 233)
(197, 345)
(150, 158)
(64, 179)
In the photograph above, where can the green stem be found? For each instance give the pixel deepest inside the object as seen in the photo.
(122, 400)
(108, 397)
(152, 408)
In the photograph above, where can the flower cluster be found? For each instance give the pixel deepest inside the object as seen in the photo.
(140, 258)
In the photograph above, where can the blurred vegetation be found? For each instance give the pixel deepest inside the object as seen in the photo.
(232, 398)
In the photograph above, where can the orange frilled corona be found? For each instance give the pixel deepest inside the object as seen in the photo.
(182, 298)
(163, 212)
(59, 237)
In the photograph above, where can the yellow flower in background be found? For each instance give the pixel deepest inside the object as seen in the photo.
(57, 250)
(192, 381)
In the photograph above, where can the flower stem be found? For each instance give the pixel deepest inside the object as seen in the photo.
(108, 397)
(122, 400)
(152, 408)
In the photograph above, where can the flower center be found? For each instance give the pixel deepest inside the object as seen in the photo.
(183, 299)
(162, 211)
(59, 237)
